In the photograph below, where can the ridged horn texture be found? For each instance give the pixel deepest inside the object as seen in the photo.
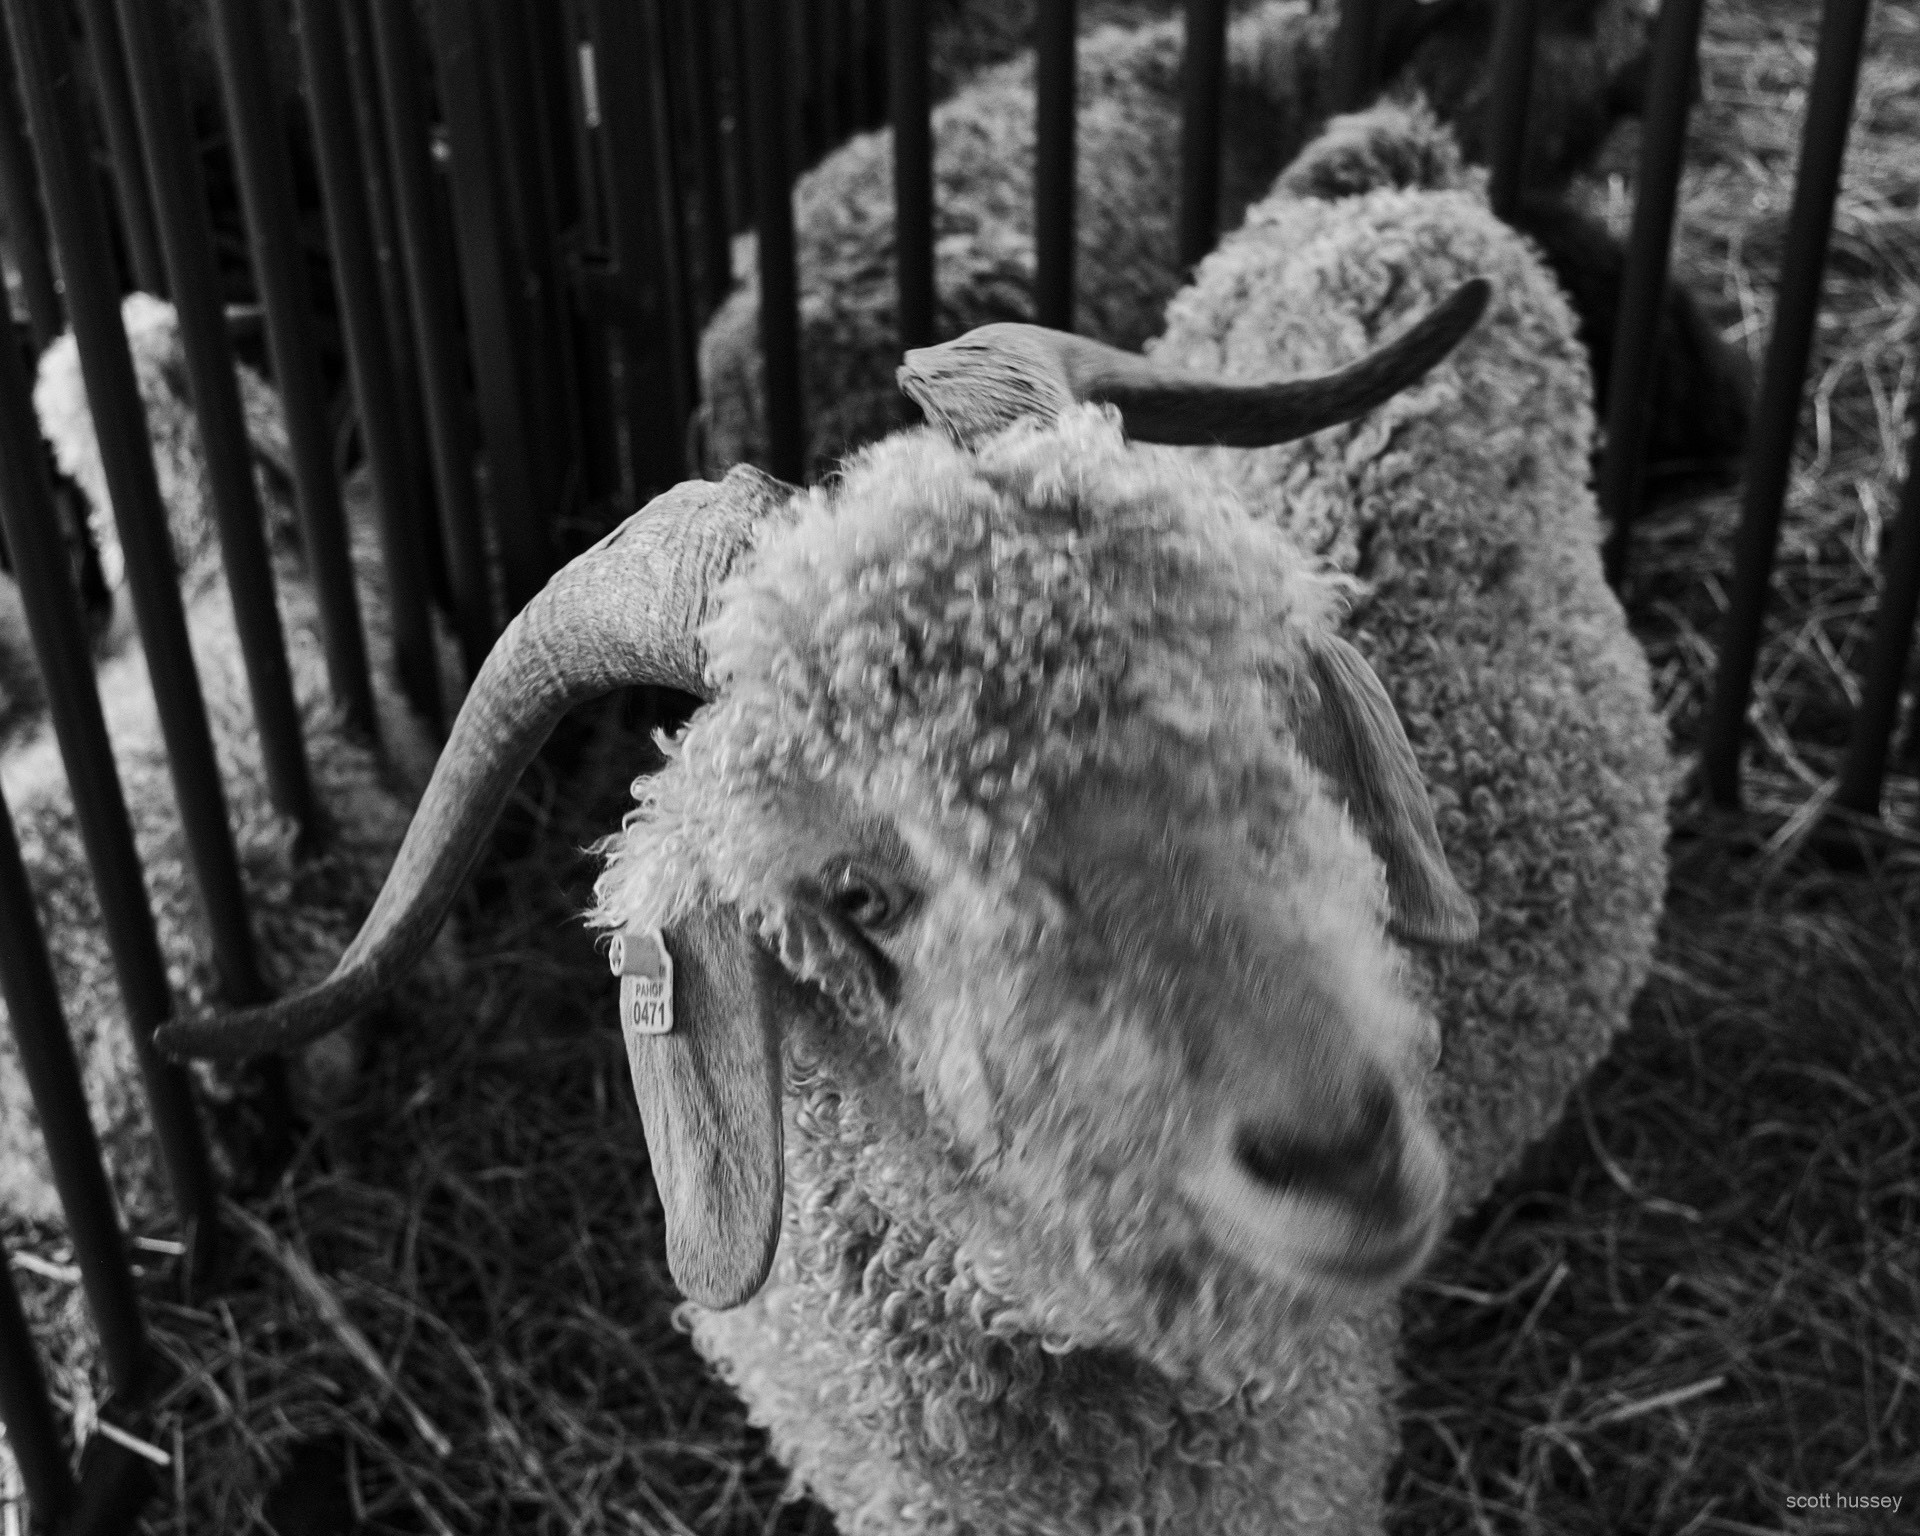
(983, 382)
(624, 614)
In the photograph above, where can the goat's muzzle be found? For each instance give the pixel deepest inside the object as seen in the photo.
(1352, 1202)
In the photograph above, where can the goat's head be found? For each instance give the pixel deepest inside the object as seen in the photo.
(1045, 823)
(174, 429)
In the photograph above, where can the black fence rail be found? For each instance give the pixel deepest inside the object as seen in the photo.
(530, 211)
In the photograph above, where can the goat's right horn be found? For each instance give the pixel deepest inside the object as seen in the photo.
(624, 614)
(998, 374)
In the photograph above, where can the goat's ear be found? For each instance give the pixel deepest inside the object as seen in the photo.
(709, 1096)
(1352, 735)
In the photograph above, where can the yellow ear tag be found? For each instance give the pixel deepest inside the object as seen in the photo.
(639, 958)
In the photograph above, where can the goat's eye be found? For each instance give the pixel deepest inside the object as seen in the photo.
(869, 900)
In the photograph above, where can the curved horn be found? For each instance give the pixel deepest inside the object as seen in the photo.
(998, 374)
(624, 614)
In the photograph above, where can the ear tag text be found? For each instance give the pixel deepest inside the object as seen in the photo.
(639, 958)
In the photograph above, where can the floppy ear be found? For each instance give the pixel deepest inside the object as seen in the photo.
(1351, 734)
(709, 1096)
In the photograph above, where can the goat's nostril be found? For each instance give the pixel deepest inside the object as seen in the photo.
(1359, 1164)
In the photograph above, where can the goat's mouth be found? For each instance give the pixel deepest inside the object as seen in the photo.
(1315, 1248)
(1385, 1262)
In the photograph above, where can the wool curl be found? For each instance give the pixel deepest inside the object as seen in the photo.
(1462, 506)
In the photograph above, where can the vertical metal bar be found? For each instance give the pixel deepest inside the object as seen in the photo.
(1836, 69)
(120, 427)
(375, 165)
(260, 156)
(39, 1028)
(593, 347)
(1203, 69)
(1871, 737)
(25, 1410)
(912, 170)
(846, 76)
(739, 136)
(436, 328)
(590, 468)
(878, 52)
(356, 282)
(551, 55)
(647, 284)
(123, 142)
(1629, 403)
(526, 551)
(665, 57)
(773, 204)
(173, 171)
(861, 45)
(589, 465)
(1509, 96)
(846, 66)
(584, 76)
(863, 38)
(26, 221)
(555, 85)
(716, 243)
(1354, 39)
(793, 43)
(66, 661)
(516, 66)
(824, 51)
(1053, 181)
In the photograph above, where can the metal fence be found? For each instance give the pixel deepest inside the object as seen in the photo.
(529, 210)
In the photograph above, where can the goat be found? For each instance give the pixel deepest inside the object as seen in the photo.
(1015, 924)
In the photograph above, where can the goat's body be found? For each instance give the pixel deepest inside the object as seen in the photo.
(1462, 505)
(304, 909)
(873, 1358)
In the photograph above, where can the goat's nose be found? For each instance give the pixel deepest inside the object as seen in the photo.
(1358, 1165)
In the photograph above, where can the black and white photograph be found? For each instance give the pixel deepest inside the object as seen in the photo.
(960, 768)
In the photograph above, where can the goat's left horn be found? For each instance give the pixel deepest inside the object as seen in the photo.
(998, 374)
(624, 614)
